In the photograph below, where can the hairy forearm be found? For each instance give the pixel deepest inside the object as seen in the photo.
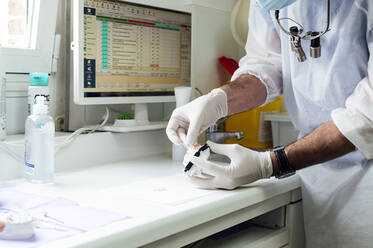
(324, 143)
(245, 93)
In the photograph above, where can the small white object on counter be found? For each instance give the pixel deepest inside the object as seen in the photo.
(182, 95)
(18, 225)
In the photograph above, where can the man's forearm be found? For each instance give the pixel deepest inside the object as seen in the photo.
(324, 143)
(244, 93)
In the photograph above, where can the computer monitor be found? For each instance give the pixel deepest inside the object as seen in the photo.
(129, 53)
(125, 52)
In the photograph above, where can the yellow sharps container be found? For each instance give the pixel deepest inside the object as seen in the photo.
(257, 132)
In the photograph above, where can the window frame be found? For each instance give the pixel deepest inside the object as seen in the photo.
(37, 58)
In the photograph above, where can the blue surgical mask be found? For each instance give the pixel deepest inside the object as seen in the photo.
(274, 4)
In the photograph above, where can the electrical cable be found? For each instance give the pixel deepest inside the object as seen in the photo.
(105, 119)
(301, 28)
(6, 147)
(14, 155)
(82, 130)
(115, 110)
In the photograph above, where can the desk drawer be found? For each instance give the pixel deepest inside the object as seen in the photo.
(253, 237)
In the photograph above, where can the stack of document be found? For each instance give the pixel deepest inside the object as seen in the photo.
(54, 218)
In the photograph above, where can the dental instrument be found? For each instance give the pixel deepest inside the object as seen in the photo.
(296, 37)
(197, 151)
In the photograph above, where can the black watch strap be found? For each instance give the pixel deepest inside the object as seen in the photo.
(284, 169)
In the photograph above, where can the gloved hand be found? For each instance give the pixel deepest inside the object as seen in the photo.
(246, 167)
(196, 116)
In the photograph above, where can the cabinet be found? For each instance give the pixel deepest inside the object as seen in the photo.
(276, 222)
(265, 233)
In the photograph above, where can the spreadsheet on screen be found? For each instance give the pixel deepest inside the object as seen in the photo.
(134, 50)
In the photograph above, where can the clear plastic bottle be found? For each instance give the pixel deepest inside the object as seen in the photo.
(39, 144)
(2, 109)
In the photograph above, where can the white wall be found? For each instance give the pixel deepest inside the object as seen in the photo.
(88, 150)
(212, 39)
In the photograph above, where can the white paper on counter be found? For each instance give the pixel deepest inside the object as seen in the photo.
(171, 190)
(41, 236)
(14, 200)
(54, 218)
(74, 216)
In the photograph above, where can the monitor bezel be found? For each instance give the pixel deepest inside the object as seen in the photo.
(78, 55)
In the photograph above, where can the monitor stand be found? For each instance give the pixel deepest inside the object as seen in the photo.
(140, 123)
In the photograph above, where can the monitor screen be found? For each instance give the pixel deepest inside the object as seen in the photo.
(134, 50)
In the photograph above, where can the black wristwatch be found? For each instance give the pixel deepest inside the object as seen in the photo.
(284, 169)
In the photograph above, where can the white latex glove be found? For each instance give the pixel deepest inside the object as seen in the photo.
(246, 167)
(196, 116)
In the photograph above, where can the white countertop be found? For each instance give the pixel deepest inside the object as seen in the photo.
(131, 188)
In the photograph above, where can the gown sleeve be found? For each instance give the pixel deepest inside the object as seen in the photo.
(355, 121)
(263, 52)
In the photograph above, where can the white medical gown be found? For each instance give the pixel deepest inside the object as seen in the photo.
(338, 86)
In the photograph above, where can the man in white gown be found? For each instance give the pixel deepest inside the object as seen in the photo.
(329, 100)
